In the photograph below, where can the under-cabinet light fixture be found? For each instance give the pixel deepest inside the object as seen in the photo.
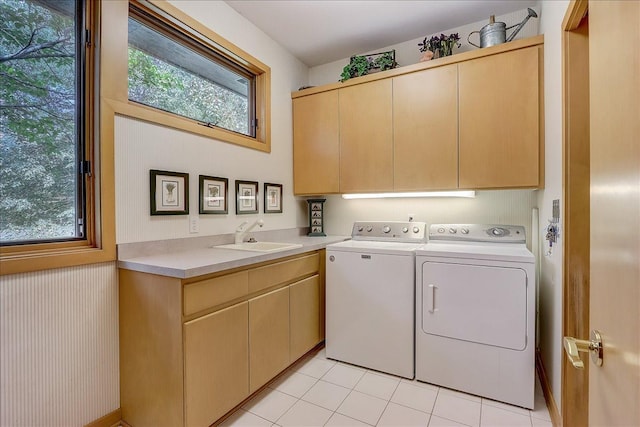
(413, 194)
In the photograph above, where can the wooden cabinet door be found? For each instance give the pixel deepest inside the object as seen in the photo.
(316, 144)
(500, 120)
(307, 315)
(425, 130)
(216, 349)
(366, 140)
(268, 336)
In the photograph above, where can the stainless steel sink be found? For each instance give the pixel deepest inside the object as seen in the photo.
(260, 246)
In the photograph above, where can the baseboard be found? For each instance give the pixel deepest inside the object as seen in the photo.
(109, 420)
(556, 419)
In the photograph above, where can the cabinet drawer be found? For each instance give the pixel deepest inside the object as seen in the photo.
(209, 293)
(282, 272)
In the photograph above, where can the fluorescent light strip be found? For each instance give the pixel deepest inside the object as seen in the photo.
(416, 194)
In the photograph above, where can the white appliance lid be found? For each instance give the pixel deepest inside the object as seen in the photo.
(513, 252)
(375, 247)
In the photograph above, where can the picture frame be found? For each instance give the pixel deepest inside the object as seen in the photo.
(272, 198)
(246, 197)
(213, 192)
(169, 192)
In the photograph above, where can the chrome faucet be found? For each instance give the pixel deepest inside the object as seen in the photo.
(241, 232)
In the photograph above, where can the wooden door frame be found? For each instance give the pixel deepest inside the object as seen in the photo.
(576, 188)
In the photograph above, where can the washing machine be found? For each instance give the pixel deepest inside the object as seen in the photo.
(370, 296)
(475, 311)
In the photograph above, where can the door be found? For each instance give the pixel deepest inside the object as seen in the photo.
(475, 303)
(425, 130)
(216, 365)
(614, 56)
(500, 120)
(306, 309)
(316, 152)
(268, 336)
(366, 137)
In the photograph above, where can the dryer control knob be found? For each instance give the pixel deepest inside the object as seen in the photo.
(405, 229)
(369, 228)
(441, 230)
(465, 231)
(416, 229)
(386, 229)
(453, 231)
(360, 228)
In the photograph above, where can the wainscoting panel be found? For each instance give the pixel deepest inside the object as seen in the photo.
(59, 346)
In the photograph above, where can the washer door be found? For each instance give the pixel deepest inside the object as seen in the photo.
(477, 303)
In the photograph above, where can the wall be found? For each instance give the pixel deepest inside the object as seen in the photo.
(408, 52)
(511, 207)
(59, 328)
(551, 265)
(142, 146)
(59, 346)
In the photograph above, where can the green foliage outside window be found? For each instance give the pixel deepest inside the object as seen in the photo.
(38, 142)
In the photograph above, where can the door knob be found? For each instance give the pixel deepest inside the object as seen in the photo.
(573, 347)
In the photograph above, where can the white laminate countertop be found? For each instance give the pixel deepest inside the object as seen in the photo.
(191, 263)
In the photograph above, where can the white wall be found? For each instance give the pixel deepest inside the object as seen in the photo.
(511, 207)
(142, 146)
(553, 12)
(408, 52)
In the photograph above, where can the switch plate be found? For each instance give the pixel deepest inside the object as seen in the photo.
(194, 225)
(555, 211)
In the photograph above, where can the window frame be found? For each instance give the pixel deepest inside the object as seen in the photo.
(115, 85)
(98, 242)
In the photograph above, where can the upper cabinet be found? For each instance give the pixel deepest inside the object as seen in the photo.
(468, 121)
(316, 147)
(500, 120)
(425, 130)
(366, 145)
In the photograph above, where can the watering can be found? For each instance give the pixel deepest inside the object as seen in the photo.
(496, 32)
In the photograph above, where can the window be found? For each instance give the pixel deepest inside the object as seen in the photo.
(44, 121)
(175, 69)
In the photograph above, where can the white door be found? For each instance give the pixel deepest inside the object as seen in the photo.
(614, 55)
(476, 303)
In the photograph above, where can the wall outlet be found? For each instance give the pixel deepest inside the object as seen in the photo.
(194, 225)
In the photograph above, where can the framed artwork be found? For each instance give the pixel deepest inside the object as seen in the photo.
(213, 195)
(272, 198)
(169, 192)
(246, 197)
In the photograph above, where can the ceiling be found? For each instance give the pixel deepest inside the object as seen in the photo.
(322, 31)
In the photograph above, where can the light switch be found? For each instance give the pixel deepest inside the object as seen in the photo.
(194, 225)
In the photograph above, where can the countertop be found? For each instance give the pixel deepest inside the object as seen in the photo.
(185, 264)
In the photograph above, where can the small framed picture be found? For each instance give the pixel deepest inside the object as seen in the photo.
(169, 192)
(213, 195)
(246, 197)
(272, 198)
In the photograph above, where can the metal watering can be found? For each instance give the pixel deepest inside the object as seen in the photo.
(496, 32)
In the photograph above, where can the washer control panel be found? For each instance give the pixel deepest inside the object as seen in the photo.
(478, 233)
(393, 231)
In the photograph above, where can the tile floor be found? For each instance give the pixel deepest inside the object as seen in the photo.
(318, 391)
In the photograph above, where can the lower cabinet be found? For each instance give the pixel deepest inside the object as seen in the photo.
(306, 311)
(268, 336)
(216, 361)
(192, 350)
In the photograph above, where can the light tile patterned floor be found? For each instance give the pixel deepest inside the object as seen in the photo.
(318, 391)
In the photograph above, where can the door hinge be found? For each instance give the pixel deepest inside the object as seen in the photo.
(87, 37)
(85, 167)
(255, 123)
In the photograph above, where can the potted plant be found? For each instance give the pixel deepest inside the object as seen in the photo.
(440, 45)
(361, 65)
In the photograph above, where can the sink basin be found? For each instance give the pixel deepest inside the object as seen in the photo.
(260, 246)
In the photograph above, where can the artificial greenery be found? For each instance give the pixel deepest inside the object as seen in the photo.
(363, 65)
(440, 45)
